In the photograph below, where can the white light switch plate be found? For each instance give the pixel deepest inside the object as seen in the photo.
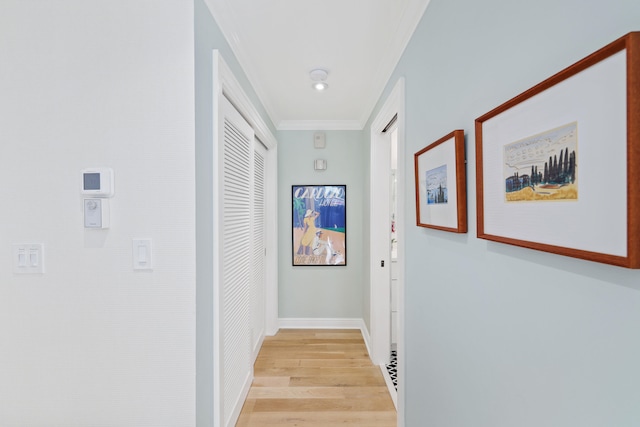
(142, 254)
(28, 258)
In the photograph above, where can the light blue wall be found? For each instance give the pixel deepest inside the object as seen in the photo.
(207, 38)
(496, 335)
(321, 292)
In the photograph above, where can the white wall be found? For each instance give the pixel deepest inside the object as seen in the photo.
(91, 341)
(321, 292)
(496, 335)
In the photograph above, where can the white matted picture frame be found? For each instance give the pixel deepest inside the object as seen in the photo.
(557, 166)
(441, 184)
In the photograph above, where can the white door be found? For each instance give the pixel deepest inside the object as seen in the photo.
(244, 283)
(258, 261)
(233, 244)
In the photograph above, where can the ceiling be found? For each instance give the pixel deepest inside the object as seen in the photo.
(278, 43)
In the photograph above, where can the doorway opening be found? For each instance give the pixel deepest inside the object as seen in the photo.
(386, 263)
(392, 365)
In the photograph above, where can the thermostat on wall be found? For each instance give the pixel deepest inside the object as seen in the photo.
(97, 182)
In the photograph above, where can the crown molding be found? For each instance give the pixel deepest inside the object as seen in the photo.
(320, 125)
(404, 32)
(222, 14)
(228, 85)
(411, 17)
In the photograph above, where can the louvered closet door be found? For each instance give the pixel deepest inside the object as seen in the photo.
(259, 248)
(235, 263)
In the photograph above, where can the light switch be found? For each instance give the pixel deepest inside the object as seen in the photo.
(142, 254)
(33, 257)
(28, 258)
(22, 258)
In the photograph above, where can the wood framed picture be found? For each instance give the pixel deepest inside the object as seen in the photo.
(557, 166)
(441, 184)
(319, 225)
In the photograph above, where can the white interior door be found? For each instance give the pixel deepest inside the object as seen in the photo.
(234, 246)
(244, 198)
(258, 261)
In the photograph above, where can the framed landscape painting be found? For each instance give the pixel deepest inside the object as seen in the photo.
(441, 184)
(319, 225)
(557, 166)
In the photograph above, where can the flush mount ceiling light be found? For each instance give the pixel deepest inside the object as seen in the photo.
(319, 76)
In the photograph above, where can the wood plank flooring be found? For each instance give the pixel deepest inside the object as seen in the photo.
(316, 378)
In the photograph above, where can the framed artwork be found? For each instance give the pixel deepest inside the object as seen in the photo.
(557, 166)
(319, 225)
(441, 184)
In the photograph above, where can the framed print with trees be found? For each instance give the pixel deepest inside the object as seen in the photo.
(557, 166)
(441, 184)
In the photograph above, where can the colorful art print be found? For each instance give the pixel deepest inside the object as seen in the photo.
(436, 182)
(596, 101)
(542, 167)
(319, 225)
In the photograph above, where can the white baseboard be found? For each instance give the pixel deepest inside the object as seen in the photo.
(392, 389)
(366, 337)
(319, 323)
(237, 407)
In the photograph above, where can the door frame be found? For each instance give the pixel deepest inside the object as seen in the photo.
(380, 280)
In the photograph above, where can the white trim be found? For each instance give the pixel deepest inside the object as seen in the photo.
(215, 265)
(367, 337)
(406, 28)
(320, 125)
(271, 207)
(223, 16)
(320, 323)
(232, 89)
(237, 408)
(256, 350)
(380, 305)
(406, 174)
(392, 389)
(393, 105)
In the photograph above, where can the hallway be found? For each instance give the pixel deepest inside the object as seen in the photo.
(317, 378)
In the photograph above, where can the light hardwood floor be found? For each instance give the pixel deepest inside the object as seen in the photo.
(317, 378)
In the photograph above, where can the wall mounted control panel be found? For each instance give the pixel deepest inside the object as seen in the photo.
(97, 182)
(96, 213)
(97, 186)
